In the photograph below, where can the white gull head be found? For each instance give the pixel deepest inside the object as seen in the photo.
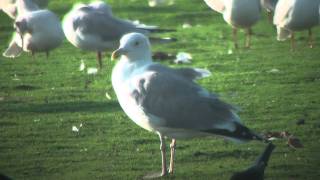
(134, 47)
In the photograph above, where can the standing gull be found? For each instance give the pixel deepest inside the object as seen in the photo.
(239, 14)
(167, 101)
(296, 15)
(93, 27)
(36, 30)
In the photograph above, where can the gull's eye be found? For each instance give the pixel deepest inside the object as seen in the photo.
(136, 43)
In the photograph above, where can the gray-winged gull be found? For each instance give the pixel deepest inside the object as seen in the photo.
(36, 30)
(296, 15)
(239, 14)
(167, 101)
(93, 27)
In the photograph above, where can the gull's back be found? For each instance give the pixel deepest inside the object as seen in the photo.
(297, 15)
(242, 13)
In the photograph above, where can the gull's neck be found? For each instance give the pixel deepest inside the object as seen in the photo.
(136, 62)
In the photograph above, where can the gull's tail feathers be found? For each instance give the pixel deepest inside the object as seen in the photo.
(14, 50)
(240, 133)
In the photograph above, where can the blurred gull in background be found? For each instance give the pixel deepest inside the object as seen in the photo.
(168, 101)
(239, 14)
(93, 27)
(36, 30)
(296, 15)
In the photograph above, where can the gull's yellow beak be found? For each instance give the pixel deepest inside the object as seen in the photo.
(117, 53)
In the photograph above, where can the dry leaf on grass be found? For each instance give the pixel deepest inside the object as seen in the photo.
(162, 56)
(294, 142)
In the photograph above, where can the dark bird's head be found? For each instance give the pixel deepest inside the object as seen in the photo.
(256, 171)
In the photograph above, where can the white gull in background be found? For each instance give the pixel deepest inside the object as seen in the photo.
(239, 14)
(36, 30)
(167, 101)
(93, 27)
(10, 7)
(296, 15)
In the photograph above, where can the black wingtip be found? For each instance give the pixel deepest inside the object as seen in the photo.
(241, 133)
(157, 30)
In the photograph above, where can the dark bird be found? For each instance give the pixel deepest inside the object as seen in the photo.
(4, 177)
(256, 171)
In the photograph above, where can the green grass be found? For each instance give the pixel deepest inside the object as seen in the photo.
(41, 100)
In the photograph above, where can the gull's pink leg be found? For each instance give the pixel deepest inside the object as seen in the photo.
(234, 35)
(163, 155)
(47, 54)
(99, 58)
(293, 46)
(310, 38)
(248, 40)
(173, 149)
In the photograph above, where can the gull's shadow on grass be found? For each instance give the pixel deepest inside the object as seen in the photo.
(60, 107)
(222, 154)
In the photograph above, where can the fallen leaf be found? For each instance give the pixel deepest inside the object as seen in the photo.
(16, 78)
(274, 70)
(75, 129)
(300, 122)
(108, 96)
(183, 57)
(186, 25)
(294, 142)
(162, 56)
(92, 71)
(82, 66)
(280, 135)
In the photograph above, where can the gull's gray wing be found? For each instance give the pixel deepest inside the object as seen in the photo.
(101, 24)
(181, 103)
(188, 73)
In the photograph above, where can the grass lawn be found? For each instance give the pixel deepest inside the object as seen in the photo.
(42, 99)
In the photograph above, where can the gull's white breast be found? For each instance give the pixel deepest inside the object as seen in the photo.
(123, 77)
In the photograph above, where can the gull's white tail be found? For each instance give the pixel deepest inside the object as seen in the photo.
(13, 50)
